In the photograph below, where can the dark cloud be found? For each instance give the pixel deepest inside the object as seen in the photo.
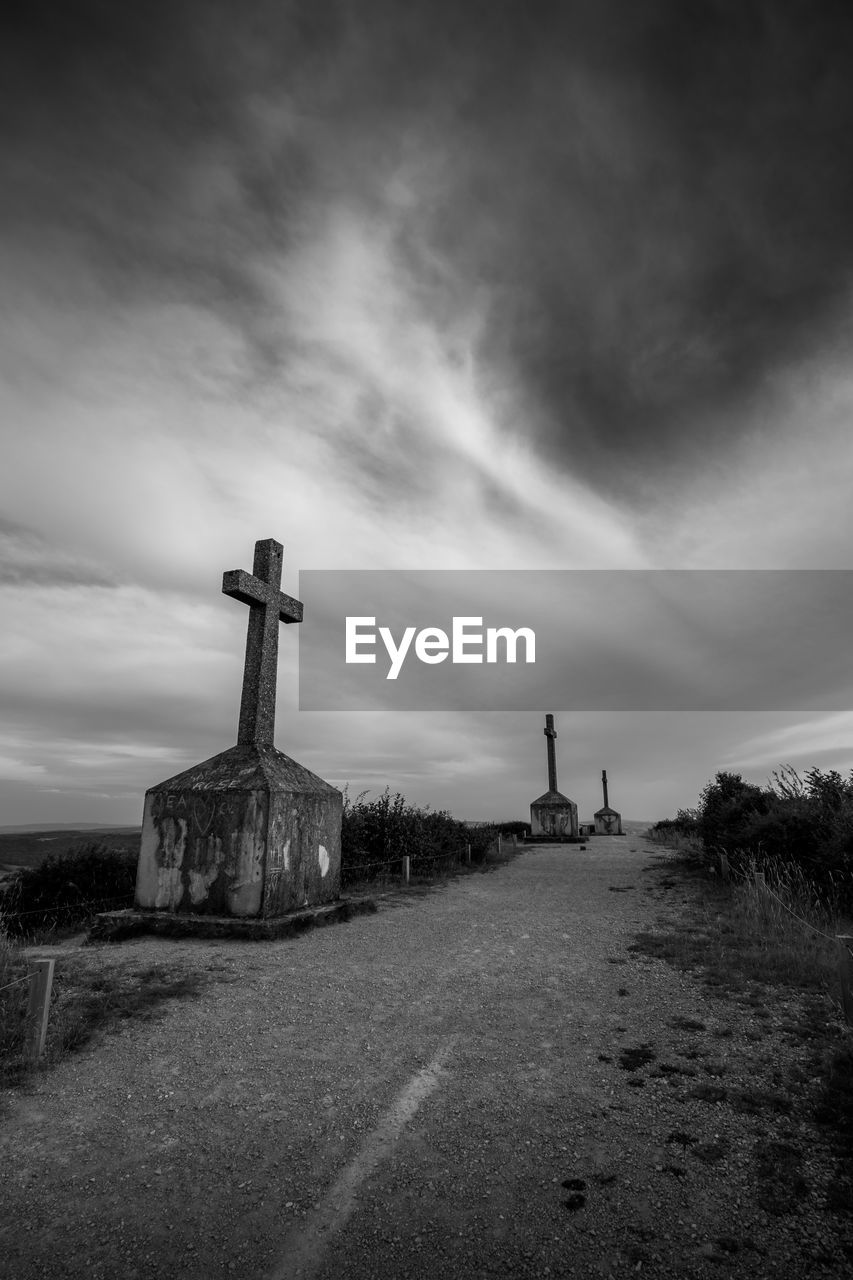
(655, 200)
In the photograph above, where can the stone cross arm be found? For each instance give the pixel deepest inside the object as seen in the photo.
(244, 586)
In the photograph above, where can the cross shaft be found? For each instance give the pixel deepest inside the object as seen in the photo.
(267, 607)
(551, 733)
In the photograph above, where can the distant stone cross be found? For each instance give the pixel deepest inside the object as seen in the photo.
(604, 786)
(267, 607)
(551, 733)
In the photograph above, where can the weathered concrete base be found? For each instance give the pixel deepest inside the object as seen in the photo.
(608, 822)
(553, 840)
(118, 926)
(554, 817)
(249, 833)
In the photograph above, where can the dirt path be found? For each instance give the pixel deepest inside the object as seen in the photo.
(406, 1094)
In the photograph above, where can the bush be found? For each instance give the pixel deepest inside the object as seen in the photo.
(520, 829)
(727, 806)
(377, 833)
(685, 823)
(68, 889)
(804, 824)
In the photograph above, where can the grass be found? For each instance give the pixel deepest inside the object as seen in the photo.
(13, 1004)
(743, 943)
(749, 936)
(87, 998)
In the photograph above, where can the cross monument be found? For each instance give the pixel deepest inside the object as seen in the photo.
(249, 832)
(608, 822)
(553, 816)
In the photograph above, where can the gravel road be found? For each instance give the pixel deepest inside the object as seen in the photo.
(408, 1094)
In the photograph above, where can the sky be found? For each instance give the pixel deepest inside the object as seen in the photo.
(505, 286)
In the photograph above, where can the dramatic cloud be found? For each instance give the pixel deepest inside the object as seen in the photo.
(407, 286)
(652, 205)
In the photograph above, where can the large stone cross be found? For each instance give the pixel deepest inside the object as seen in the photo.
(551, 733)
(267, 607)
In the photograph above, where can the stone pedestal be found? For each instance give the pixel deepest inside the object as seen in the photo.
(248, 833)
(608, 822)
(554, 817)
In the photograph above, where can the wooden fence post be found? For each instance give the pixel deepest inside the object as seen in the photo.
(845, 975)
(41, 983)
(515, 839)
(725, 870)
(406, 868)
(468, 853)
(500, 841)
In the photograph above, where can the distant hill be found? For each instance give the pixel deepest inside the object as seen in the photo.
(68, 826)
(28, 847)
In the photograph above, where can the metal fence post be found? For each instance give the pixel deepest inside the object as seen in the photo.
(41, 983)
(406, 868)
(468, 853)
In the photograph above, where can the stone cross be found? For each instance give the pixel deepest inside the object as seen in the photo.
(551, 733)
(267, 607)
(604, 785)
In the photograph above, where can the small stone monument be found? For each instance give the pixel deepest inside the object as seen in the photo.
(607, 821)
(248, 833)
(553, 817)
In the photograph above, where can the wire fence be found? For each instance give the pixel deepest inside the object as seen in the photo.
(86, 906)
(766, 889)
(50, 914)
(347, 868)
(16, 983)
(80, 906)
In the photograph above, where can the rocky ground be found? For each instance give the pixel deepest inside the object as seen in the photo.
(483, 1081)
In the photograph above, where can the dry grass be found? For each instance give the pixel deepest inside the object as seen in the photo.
(747, 945)
(88, 997)
(13, 1003)
(786, 935)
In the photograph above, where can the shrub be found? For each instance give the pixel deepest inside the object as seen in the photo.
(520, 829)
(685, 823)
(726, 807)
(376, 833)
(68, 889)
(797, 824)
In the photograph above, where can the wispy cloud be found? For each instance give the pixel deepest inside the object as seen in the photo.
(28, 560)
(404, 289)
(802, 743)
